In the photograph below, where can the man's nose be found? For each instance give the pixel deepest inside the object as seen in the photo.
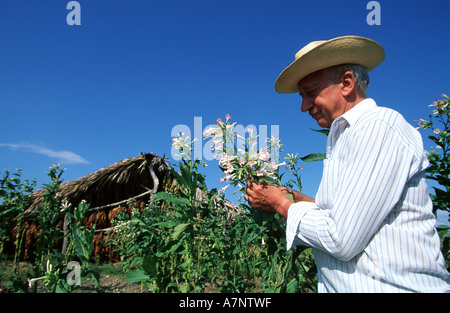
(306, 105)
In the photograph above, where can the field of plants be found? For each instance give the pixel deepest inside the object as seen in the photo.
(177, 242)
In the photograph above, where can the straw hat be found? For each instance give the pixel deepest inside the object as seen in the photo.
(318, 55)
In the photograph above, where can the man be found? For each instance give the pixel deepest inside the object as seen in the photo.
(371, 225)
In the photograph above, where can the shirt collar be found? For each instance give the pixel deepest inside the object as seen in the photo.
(352, 115)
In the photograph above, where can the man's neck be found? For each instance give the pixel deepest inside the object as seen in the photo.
(351, 104)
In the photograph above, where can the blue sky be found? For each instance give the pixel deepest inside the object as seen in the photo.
(90, 95)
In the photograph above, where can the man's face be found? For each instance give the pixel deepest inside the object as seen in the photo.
(320, 99)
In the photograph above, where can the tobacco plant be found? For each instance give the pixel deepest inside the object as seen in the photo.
(47, 219)
(173, 243)
(439, 169)
(51, 266)
(16, 196)
(179, 244)
(243, 163)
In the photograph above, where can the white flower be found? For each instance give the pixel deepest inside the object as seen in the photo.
(222, 190)
(240, 164)
(264, 156)
(183, 145)
(230, 169)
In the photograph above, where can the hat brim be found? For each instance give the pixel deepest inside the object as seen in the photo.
(342, 50)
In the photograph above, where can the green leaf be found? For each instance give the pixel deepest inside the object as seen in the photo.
(443, 230)
(184, 288)
(322, 131)
(252, 232)
(5, 212)
(173, 247)
(314, 157)
(171, 198)
(82, 242)
(178, 230)
(149, 265)
(292, 286)
(137, 276)
(186, 175)
(165, 224)
(94, 275)
(136, 221)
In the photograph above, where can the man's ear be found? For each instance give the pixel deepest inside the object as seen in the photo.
(348, 83)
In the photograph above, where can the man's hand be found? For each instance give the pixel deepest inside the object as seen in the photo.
(268, 198)
(296, 196)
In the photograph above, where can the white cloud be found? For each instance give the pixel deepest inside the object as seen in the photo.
(66, 157)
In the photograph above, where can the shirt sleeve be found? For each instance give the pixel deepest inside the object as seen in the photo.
(369, 173)
(296, 213)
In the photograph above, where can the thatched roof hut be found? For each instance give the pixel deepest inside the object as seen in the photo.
(109, 191)
(120, 181)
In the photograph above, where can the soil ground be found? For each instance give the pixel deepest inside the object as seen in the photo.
(112, 280)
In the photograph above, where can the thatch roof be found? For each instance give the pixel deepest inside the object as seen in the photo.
(120, 181)
(109, 192)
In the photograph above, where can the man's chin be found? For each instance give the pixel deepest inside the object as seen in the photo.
(323, 123)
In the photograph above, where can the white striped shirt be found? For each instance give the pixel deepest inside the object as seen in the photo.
(372, 228)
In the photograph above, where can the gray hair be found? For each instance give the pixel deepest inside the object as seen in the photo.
(362, 79)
